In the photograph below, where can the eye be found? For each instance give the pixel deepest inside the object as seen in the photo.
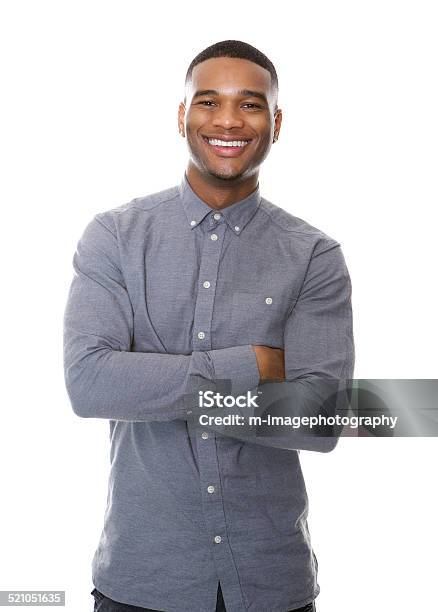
(211, 102)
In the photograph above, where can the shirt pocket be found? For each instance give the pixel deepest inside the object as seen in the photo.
(260, 317)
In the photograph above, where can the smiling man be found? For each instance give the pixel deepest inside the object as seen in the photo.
(231, 117)
(205, 283)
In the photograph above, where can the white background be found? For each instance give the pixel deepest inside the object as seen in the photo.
(89, 100)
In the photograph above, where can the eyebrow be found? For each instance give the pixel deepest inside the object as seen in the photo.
(248, 93)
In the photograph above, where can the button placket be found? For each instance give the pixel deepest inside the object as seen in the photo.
(209, 477)
(209, 267)
(213, 508)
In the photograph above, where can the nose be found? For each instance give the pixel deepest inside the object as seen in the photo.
(227, 116)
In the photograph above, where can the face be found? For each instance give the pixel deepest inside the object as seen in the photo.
(229, 100)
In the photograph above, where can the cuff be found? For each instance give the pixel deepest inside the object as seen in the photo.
(237, 364)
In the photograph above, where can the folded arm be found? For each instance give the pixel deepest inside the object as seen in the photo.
(318, 360)
(103, 377)
(319, 352)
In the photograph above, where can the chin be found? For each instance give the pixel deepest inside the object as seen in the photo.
(225, 175)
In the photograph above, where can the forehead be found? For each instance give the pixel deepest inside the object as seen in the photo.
(230, 73)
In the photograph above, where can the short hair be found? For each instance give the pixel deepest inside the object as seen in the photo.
(237, 49)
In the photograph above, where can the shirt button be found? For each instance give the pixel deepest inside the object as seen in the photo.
(192, 222)
(268, 300)
(210, 489)
(201, 335)
(206, 284)
(213, 236)
(204, 435)
(237, 228)
(217, 539)
(217, 216)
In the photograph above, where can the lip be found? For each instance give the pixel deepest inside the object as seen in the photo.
(226, 151)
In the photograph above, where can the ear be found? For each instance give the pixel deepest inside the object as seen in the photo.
(181, 118)
(277, 123)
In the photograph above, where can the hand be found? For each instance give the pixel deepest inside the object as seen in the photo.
(270, 362)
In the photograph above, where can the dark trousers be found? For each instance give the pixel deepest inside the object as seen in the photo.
(102, 603)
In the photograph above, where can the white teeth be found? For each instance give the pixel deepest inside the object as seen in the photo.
(223, 143)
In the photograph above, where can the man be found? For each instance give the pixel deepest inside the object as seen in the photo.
(200, 283)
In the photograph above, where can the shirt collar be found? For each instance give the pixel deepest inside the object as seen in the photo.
(237, 215)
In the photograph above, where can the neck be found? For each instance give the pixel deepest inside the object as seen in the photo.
(220, 193)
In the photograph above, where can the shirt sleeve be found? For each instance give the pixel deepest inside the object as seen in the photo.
(103, 377)
(319, 343)
(318, 336)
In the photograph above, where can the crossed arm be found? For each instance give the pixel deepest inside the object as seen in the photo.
(105, 379)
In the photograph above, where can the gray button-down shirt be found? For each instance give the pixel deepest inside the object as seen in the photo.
(168, 291)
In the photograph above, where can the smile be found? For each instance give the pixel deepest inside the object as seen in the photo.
(225, 143)
(224, 147)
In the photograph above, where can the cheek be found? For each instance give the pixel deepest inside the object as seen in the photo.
(193, 132)
(191, 135)
(263, 129)
(194, 120)
(264, 142)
